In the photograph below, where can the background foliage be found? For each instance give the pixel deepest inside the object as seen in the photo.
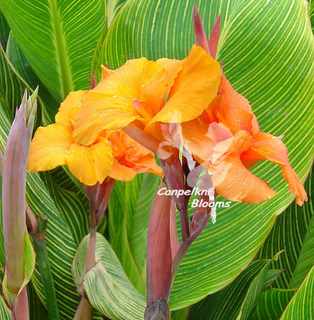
(231, 271)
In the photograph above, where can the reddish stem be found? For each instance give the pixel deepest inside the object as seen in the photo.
(84, 310)
(20, 310)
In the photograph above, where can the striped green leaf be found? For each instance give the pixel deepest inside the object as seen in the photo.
(58, 38)
(271, 304)
(273, 66)
(37, 310)
(301, 306)
(5, 313)
(17, 58)
(22, 67)
(255, 289)
(294, 234)
(227, 302)
(107, 286)
(312, 13)
(12, 86)
(72, 203)
(4, 31)
(237, 300)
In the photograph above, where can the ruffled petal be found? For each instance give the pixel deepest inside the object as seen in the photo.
(101, 113)
(233, 110)
(131, 158)
(147, 164)
(49, 148)
(156, 91)
(235, 182)
(69, 108)
(127, 80)
(295, 185)
(233, 146)
(121, 172)
(91, 164)
(110, 105)
(196, 139)
(268, 147)
(194, 89)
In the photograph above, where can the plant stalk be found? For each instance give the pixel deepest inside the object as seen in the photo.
(98, 196)
(20, 310)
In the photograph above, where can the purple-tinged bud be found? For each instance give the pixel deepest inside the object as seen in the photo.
(200, 34)
(214, 37)
(16, 240)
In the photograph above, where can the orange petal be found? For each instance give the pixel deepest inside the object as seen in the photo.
(101, 113)
(131, 157)
(127, 80)
(233, 110)
(121, 172)
(69, 108)
(295, 185)
(218, 132)
(49, 148)
(124, 173)
(235, 145)
(197, 140)
(147, 164)
(195, 88)
(156, 91)
(235, 182)
(268, 147)
(91, 164)
(110, 104)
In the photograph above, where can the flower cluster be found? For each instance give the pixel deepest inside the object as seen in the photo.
(217, 127)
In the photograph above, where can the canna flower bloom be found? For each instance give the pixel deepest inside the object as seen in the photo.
(55, 145)
(110, 155)
(149, 92)
(227, 139)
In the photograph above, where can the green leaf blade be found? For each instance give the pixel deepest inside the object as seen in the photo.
(58, 38)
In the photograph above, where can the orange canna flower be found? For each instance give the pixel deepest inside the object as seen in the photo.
(55, 145)
(234, 143)
(149, 92)
(228, 140)
(112, 154)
